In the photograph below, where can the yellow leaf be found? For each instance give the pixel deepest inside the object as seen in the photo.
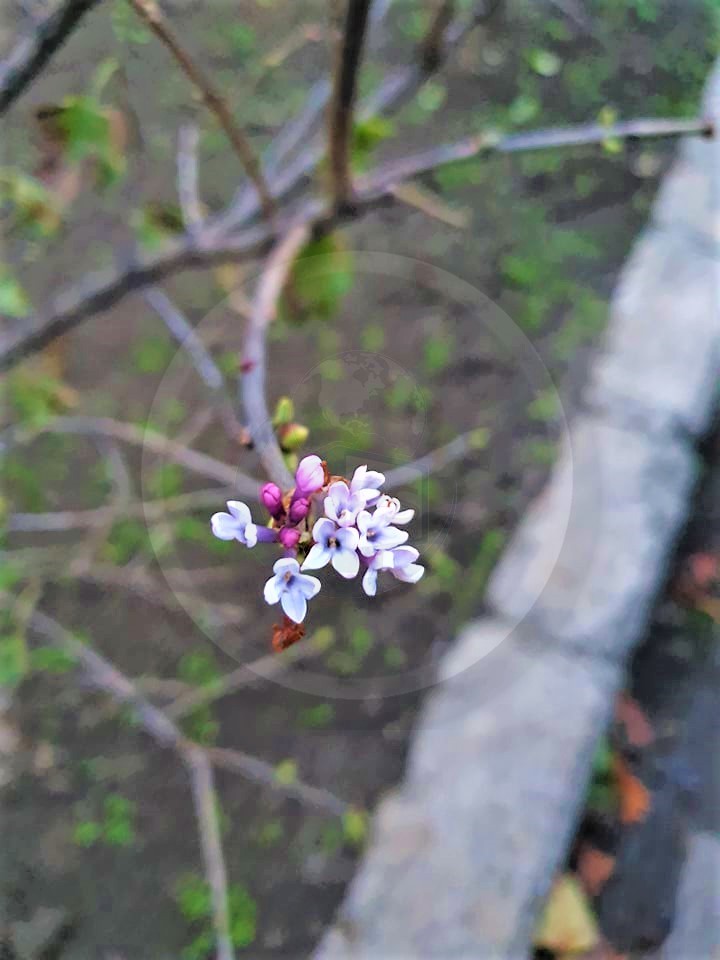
(568, 924)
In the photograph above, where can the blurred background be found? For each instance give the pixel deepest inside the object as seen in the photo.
(477, 313)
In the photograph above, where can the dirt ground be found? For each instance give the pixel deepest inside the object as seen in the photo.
(443, 330)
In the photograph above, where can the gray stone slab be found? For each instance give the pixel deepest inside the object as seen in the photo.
(661, 362)
(589, 556)
(463, 854)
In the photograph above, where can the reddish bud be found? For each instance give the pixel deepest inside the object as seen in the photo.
(289, 537)
(271, 496)
(299, 509)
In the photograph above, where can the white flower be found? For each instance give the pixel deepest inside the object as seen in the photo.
(377, 533)
(400, 562)
(381, 561)
(391, 506)
(341, 505)
(236, 525)
(291, 588)
(403, 565)
(366, 484)
(336, 545)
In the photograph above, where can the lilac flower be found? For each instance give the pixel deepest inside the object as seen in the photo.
(341, 505)
(400, 562)
(377, 533)
(335, 545)
(309, 476)
(289, 537)
(366, 484)
(291, 588)
(403, 565)
(391, 506)
(236, 525)
(381, 561)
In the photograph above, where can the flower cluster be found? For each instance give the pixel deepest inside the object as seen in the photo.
(324, 520)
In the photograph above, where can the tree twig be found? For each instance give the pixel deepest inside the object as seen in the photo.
(188, 338)
(340, 128)
(148, 439)
(436, 460)
(30, 55)
(103, 290)
(252, 379)
(203, 790)
(149, 12)
(188, 177)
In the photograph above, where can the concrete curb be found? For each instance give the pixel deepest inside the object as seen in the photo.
(463, 853)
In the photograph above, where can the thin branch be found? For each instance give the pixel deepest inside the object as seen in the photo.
(264, 668)
(262, 772)
(26, 61)
(102, 291)
(188, 177)
(147, 439)
(150, 14)
(187, 336)
(300, 129)
(252, 380)
(431, 48)
(63, 520)
(203, 790)
(436, 460)
(340, 129)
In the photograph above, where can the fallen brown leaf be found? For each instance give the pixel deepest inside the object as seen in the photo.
(631, 716)
(594, 868)
(634, 796)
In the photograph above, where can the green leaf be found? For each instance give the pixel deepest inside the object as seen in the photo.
(286, 772)
(13, 299)
(321, 276)
(355, 826)
(13, 659)
(87, 833)
(367, 135)
(544, 62)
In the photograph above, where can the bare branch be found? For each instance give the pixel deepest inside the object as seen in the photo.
(252, 380)
(150, 14)
(31, 55)
(103, 290)
(203, 789)
(255, 769)
(347, 65)
(188, 178)
(186, 335)
(63, 520)
(264, 668)
(436, 460)
(300, 129)
(148, 439)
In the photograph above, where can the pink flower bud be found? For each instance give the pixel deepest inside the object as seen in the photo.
(299, 509)
(289, 537)
(310, 475)
(271, 496)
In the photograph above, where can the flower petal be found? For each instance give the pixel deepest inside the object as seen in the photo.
(323, 529)
(402, 556)
(403, 517)
(366, 548)
(409, 574)
(294, 604)
(308, 586)
(240, 511)
(250, 537)
(369, 582)
(224, 526)
(318, 557)
(346, 562)
(389, 537)
(286, 565)
(272, 590)
(348, 538)
(363, 521)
